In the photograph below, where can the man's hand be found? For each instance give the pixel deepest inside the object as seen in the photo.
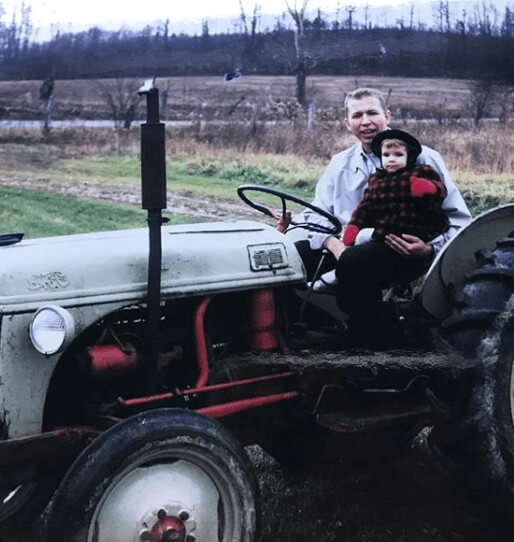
(282, 222)
(335, 246)
(409, 245)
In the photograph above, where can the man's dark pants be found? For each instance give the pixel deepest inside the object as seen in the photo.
(363, 271)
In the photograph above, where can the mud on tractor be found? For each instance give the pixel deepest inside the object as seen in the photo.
(129, 383)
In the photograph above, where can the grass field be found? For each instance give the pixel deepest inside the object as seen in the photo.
(41, 214)
(207, 168)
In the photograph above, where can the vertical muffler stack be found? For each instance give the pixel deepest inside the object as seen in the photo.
(153, 184)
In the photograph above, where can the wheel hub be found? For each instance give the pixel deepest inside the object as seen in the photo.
(170, 523)
(168, 529)
(174, 502)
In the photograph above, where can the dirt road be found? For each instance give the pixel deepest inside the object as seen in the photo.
(205, 207)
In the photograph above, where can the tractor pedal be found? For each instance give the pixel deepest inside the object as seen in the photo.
(361, 420)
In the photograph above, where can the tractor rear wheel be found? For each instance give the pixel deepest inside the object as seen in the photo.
(480, 444)
(481, 298)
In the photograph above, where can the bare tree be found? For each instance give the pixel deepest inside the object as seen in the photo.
(121, 98)
(46, 95)
(508, 23)
(119, 95)
(506, 105)
(205, 32)
(250, 54)
(350, 10)
(441, 13)
(481, 94)
(335, 24)
(298, 16)
(243, 18)
(255, 20)
(486, 18)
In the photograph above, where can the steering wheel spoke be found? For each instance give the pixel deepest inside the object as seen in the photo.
(334, 228)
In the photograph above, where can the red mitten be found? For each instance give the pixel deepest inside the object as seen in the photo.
(421, 187)
(350, 233)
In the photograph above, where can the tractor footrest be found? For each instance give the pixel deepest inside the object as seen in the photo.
(360, 420)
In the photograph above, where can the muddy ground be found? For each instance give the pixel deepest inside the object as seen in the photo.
(408, 499)
(370, 490)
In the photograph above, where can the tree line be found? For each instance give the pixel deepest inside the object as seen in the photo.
(475, 45)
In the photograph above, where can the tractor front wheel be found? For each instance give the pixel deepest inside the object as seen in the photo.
(167, 474)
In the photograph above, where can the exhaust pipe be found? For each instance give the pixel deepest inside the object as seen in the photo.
(153, 185)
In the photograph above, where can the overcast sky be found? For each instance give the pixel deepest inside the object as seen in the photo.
(76, 15)
(90, 12)
(93, 11)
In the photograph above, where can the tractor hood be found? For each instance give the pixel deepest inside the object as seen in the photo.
(197, 259)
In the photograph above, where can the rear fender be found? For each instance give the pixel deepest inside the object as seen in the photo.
(457, 258)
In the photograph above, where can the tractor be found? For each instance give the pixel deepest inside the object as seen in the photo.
(135, 365)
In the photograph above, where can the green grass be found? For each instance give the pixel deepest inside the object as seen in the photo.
(216, 173)
(202, 176)
(41, 214)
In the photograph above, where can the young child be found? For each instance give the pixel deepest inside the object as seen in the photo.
(401, 197)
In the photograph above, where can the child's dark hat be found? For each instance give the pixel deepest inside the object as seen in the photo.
(412, 143)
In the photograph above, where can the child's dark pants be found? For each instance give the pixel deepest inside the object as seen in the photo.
(363, 271)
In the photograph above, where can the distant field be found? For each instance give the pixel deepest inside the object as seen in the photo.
(265, 96)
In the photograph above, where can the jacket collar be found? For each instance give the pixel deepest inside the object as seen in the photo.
(358, 160)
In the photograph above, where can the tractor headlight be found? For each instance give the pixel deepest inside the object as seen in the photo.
(50, 329)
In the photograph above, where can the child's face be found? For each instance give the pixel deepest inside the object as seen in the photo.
(394, 157)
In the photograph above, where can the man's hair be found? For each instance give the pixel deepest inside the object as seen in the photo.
(391, 143)
(360, 93)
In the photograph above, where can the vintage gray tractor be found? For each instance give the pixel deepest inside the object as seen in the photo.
(130, 384)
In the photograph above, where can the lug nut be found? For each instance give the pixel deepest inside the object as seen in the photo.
(183, 516)
(144, 534)
(161, 514)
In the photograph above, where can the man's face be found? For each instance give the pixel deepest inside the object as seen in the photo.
(394, 157)
(366, 119)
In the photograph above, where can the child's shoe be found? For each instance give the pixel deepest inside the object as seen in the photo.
(326, 284)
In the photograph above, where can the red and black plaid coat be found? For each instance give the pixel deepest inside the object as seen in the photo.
(389, 206)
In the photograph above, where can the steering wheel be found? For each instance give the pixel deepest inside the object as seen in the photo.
(333, 229)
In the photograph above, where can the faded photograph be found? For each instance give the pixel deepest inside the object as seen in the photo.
(257, 271)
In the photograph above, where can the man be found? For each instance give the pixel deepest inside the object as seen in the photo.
(361, 270)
